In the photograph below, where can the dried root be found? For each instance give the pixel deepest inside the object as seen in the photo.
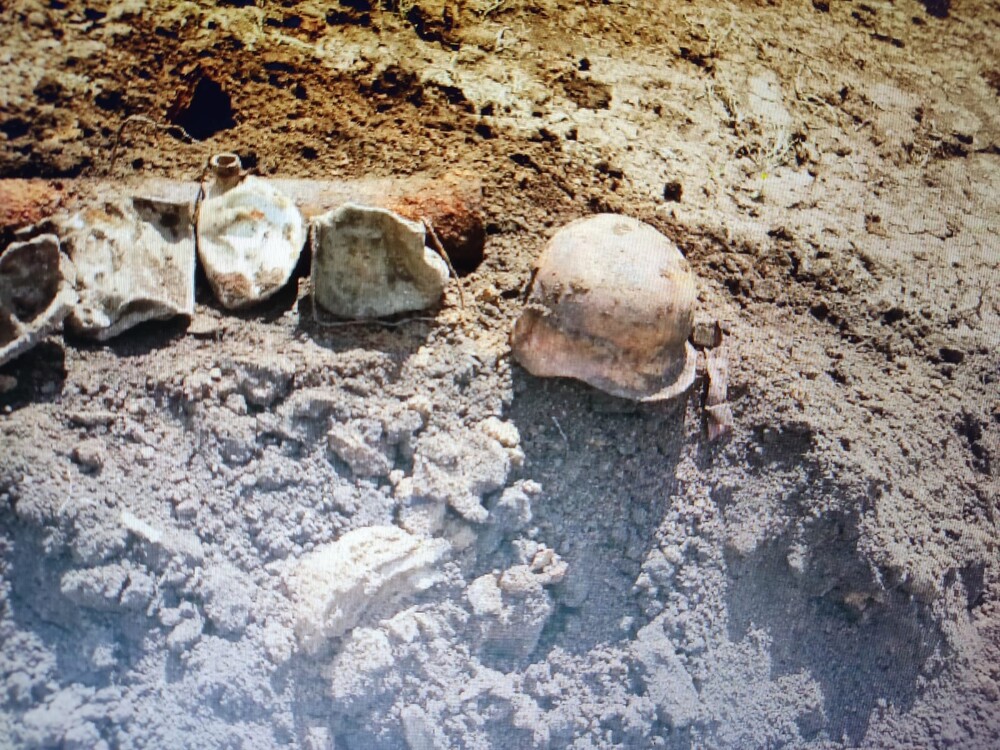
(443, 253)
(162, 126)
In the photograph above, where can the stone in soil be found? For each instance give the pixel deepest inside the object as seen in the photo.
(337, 583)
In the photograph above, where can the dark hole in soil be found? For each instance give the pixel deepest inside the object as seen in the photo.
(893, 315)
(951, 355)
(249, 160)
(40, 374)
(453, 94)
(673, 191)
(109, 100)
(207, 111)
(937, 8)
(14, 127)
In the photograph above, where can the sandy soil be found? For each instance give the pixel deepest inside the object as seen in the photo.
(826, 578)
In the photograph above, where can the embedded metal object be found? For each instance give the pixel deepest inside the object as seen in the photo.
(369, 262)
(250, 235)
(135, 261)
(35, 294)
(611, 303)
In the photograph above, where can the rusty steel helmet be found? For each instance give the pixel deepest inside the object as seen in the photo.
(611, 303)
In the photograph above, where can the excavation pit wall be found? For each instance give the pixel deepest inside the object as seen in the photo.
(601, 557)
